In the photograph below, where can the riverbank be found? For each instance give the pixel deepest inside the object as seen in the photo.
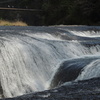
(10, 23)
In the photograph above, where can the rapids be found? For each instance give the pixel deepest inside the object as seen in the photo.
(32, 58)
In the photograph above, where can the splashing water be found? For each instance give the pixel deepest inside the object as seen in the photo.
(30, 56)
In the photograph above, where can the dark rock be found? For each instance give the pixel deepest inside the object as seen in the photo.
(69, 70)
(81, 90)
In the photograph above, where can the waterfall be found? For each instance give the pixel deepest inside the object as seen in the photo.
(30, 56)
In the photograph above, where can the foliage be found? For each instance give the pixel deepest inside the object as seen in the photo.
(72, 12)
(67, 12)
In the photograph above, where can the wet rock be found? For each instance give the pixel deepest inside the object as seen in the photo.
(81, 90)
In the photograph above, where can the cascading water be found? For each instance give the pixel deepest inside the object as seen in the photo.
(32, 58)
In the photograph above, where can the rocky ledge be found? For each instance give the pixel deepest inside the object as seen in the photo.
(81, 90)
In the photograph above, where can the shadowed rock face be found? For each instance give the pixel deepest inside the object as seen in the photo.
(1, 92)
(69, 71)
(82, 90)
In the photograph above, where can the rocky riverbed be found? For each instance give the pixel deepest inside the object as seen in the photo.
(81, 90)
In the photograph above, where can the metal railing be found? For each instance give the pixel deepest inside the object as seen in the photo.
(19, 9)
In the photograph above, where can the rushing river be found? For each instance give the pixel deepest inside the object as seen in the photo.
(39, 58)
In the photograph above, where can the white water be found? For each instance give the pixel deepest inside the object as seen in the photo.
(92, 70)
(86, 33)
(28, 61)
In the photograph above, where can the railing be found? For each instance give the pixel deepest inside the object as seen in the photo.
(19, 9)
